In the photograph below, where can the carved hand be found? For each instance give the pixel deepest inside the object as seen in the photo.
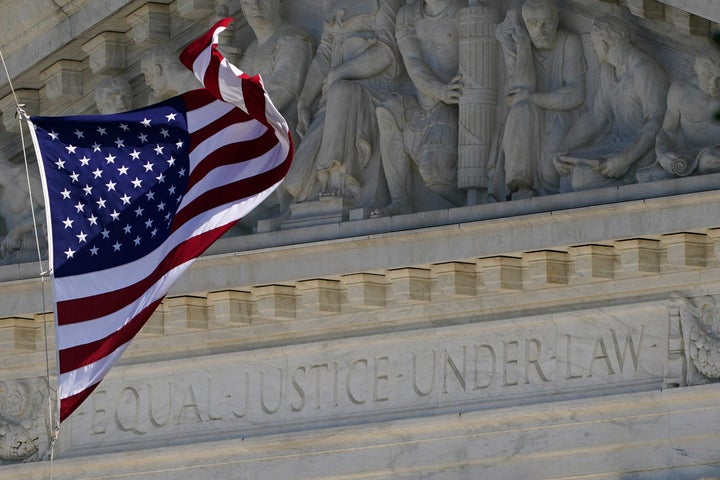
(504, 38)
(504, 30)
(333, 75)
(516, 95)
(563, 168)
(11, 242)
(615, 166)
(452, 91)
(522, 38)
(304, 119)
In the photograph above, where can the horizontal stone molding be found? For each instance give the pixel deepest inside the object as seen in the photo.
(592, 437)
(561, 278)
(604, 437)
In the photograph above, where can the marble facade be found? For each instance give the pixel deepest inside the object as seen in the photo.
(542, 335)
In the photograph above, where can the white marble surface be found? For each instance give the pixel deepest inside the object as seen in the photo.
(655, 435)
(701, 8)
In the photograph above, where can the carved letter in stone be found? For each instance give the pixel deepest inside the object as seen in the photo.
(689, 141)
(113, 95)
(355, 68)
(546, 68)
(165, 75)
(700, 319)
(422, 129)
(610, 142)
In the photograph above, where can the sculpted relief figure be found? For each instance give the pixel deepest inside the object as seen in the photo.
(280, 53)
(355, 68)
(547, 85)
(610, 142)
(113, 95)
(689, 140)
(422, 129)
(165, 75)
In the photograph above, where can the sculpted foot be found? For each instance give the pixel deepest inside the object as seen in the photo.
(352, 188)
(394, 208)
(524, 192)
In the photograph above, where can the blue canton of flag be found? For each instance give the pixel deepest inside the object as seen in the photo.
(114, 183)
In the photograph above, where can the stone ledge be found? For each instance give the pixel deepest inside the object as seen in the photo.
(700, 8)
(561, 277)
(444, 294)
(606, 437)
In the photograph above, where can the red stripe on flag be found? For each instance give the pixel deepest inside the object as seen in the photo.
(229, 193)
(192, 51)
(210, 78)
(69, 404)
(199, 98)
(233, 153)
(254, 95)
(234, 116)
(82, 355)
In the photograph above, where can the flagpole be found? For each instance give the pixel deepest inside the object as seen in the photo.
(53, 422)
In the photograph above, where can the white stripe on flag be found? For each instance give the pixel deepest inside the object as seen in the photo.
(202, 116)
(247, 131)
(74, 382)
(234, 173)
(74, 334)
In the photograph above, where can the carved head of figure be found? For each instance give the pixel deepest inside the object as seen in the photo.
(707, 68)
(607, 33)
(157, 67)
(261, 13)
(541, 19)
(113, 95)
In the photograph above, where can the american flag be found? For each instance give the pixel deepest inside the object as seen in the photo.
(133, 198)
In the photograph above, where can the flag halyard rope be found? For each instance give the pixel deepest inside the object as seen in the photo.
(53, 419)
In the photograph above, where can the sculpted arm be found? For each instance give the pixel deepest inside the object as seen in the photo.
(654, 99)
(651, 85)
(422, 75)
(517, 48)
(585, 129)
(317, 72)
(375, 58)
(571, 94)
(288, 75)
(594, 121)
(665, 143)
(20, 218)
(507, 44)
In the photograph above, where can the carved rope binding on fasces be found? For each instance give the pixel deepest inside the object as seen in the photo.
(700, 320)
